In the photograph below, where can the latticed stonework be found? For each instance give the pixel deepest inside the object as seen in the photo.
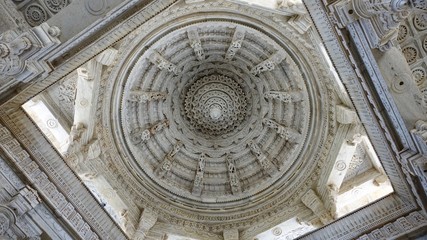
(215, 105)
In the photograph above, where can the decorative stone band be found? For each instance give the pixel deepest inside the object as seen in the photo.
(45, 187)
(403, 225)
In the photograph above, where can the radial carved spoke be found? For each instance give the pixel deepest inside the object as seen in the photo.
(139, 135)
(141, 96)
(196, 44)
(287, 133)
(236, 44)
(262, 159)
(232, 174)
(166, 165)
(162, 63)
(286, 97)
(198, 180)
(268, 64)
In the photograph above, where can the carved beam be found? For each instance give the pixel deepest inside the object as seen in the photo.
(287, 133)
(236, 44)
(198, 180)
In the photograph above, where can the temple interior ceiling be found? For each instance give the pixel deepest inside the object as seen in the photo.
(216, 117)
(214, 120)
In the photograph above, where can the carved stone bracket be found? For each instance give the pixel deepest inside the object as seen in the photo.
(162, 63)
(232, 174)
(268, 64)
(146, 222)
(287, 133)
(196, 44)
(139, 135)
(236, 44)
(313, 202)
(166, 165)
(231, 234)
(262, 159)
(198, 180)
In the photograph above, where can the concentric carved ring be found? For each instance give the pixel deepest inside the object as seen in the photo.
(215, 105)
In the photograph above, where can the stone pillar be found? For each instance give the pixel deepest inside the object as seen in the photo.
(146, 222)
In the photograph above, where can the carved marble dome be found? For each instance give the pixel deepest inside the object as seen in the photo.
(213, 114)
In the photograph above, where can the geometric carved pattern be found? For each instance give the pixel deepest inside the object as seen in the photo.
(410, 54)
(215, 105)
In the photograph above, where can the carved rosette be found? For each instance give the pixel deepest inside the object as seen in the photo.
(215, 107)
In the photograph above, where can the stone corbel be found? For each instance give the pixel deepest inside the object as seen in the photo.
(22, 55)
(313, 202)
(345, 115)
(231, 234)
(24, 201)
(146, 222)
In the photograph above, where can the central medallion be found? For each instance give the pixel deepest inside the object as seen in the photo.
(215, 105)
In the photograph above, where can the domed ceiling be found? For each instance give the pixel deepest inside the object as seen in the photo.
(217, 118)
